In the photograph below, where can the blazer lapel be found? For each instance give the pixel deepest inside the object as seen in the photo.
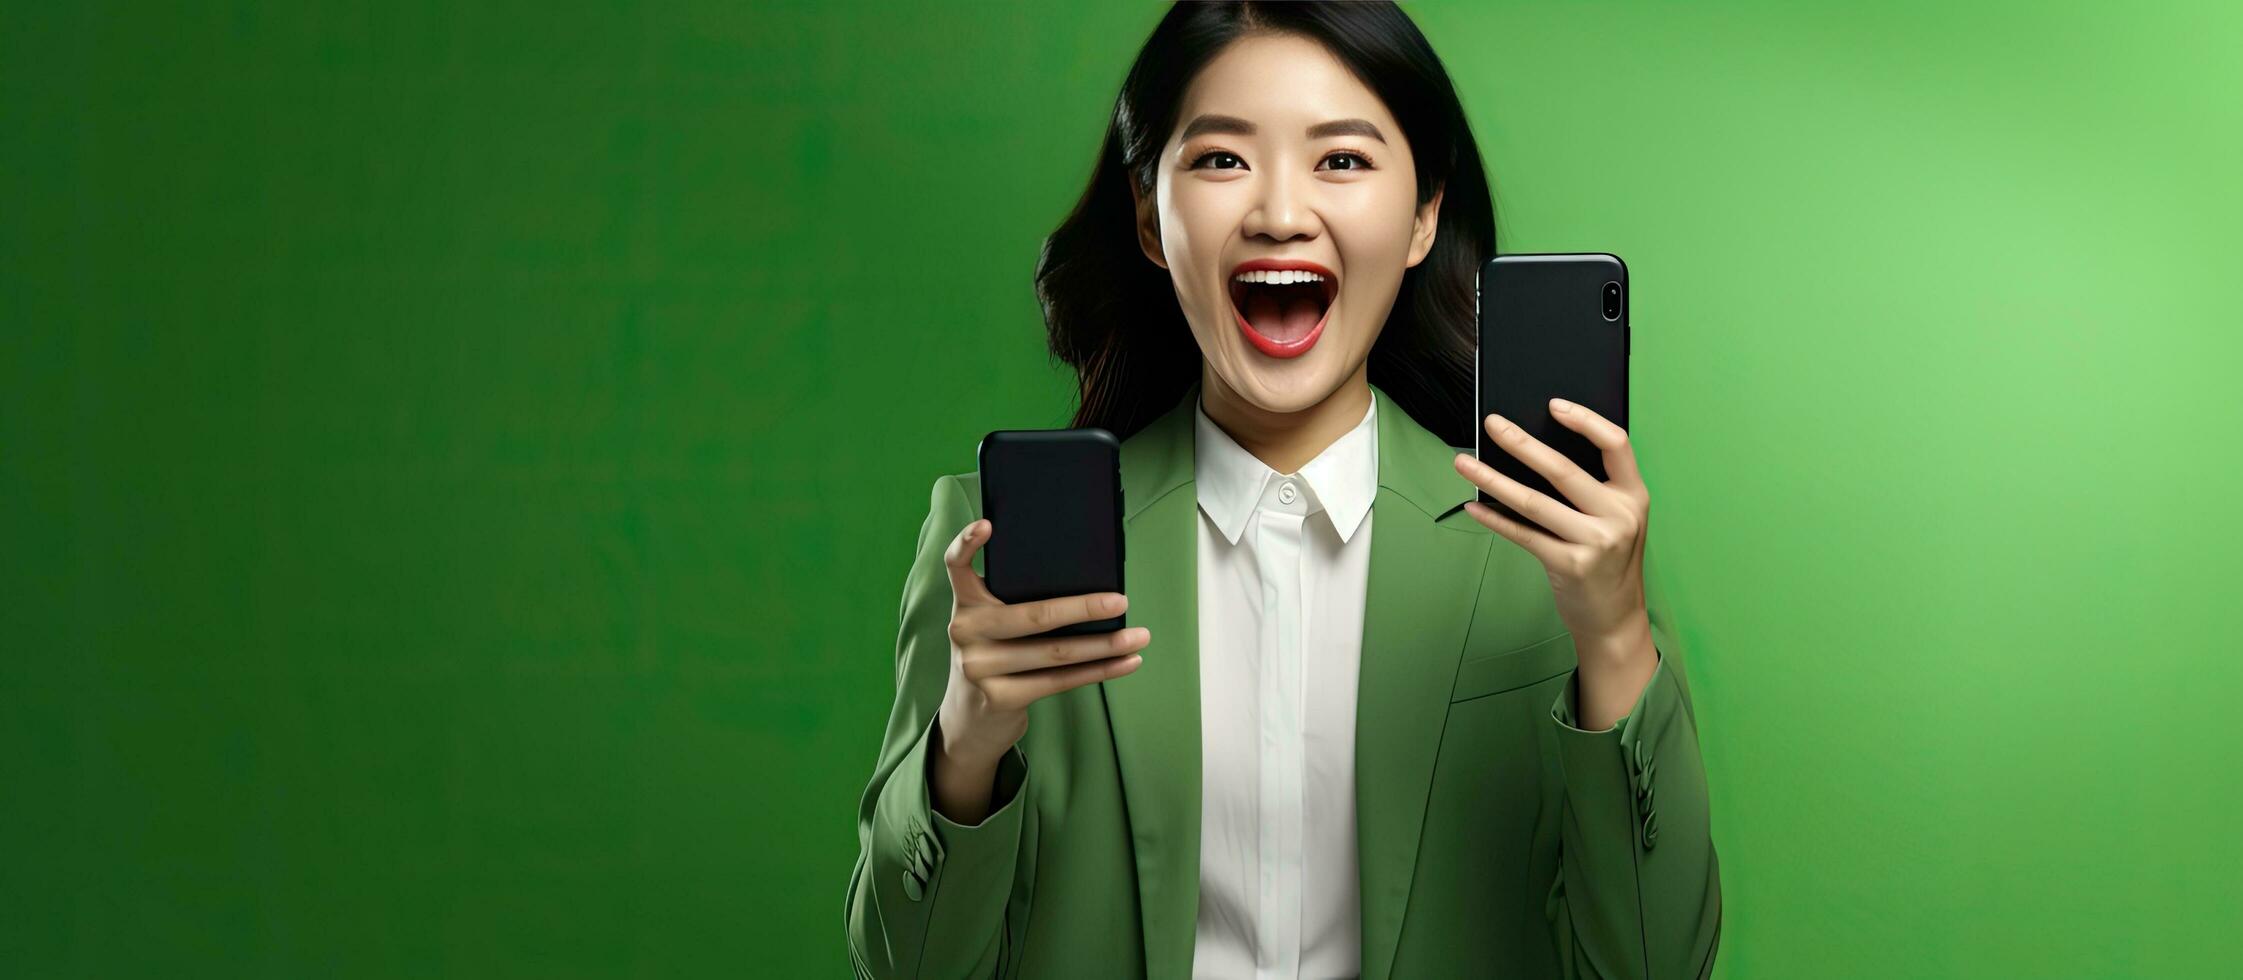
(1424, 580)
(1154, 712)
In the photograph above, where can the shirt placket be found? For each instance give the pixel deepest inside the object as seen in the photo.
(1278, 554)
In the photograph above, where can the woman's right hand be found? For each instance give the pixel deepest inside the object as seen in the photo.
(997, 670)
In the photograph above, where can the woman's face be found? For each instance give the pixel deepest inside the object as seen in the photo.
(1282, 157)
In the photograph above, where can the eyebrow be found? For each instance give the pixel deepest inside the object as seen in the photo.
(1212, 123)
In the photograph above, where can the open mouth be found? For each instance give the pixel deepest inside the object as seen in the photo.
(1282, 305)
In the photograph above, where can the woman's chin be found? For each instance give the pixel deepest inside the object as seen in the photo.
(1283, 385)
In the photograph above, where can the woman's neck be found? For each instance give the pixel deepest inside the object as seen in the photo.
(1286, 441)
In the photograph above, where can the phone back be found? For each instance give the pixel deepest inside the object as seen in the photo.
(1551, 326)
(1053, 498)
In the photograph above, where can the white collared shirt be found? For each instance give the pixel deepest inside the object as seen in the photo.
(1283, 563)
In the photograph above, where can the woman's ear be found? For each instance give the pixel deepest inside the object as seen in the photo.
(1148, 226)
(1421, 229)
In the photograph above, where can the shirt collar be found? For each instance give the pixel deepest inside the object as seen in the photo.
(1343, 478)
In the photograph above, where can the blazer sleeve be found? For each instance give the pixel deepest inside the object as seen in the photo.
(927, 896)
(1638, 889)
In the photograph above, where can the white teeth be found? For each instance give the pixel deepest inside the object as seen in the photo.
(1278, 277)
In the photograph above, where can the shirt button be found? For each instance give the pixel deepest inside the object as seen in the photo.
(1286, 493)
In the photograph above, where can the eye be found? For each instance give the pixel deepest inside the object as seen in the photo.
(1361, 162)
(1212, 154)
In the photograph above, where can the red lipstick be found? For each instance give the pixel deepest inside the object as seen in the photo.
(1272, 346)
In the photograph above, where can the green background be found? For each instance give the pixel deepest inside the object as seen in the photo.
(461, 460)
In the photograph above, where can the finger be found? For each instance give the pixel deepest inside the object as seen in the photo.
(1030, 618)
(959, 559)
(1587, 492)
(1015, 691)
(1019, 656)
(1619, 456)
(1539, 507)
(1537, 542)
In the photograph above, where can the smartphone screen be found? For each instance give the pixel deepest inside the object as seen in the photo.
(1551, 326)
(1053, 498)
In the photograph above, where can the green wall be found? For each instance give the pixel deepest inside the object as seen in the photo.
(460, 461)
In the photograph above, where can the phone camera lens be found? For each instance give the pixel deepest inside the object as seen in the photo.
(1612, 301)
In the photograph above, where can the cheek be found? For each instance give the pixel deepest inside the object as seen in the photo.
(1375, 247)
(1373, 238)
(1196, 221)
(1194, 228)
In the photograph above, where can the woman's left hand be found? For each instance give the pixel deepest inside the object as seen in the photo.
(1595, 558)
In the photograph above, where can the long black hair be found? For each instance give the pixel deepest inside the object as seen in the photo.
(1113, 316)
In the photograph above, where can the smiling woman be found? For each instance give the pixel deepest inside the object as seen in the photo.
(1329, 143)
(1348, 731)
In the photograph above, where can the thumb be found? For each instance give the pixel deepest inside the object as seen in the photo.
(959, 559)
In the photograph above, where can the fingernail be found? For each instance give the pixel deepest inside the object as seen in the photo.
(1560, 405)
(1112, 603)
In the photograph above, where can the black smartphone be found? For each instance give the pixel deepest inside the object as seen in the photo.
(1053, 498)
(1551, 326)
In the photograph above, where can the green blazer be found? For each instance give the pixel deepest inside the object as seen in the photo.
(1496, 839)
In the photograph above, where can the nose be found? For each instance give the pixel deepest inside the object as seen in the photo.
(1281, 211)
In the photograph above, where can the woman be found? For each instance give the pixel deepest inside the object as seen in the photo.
(1355, 728)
